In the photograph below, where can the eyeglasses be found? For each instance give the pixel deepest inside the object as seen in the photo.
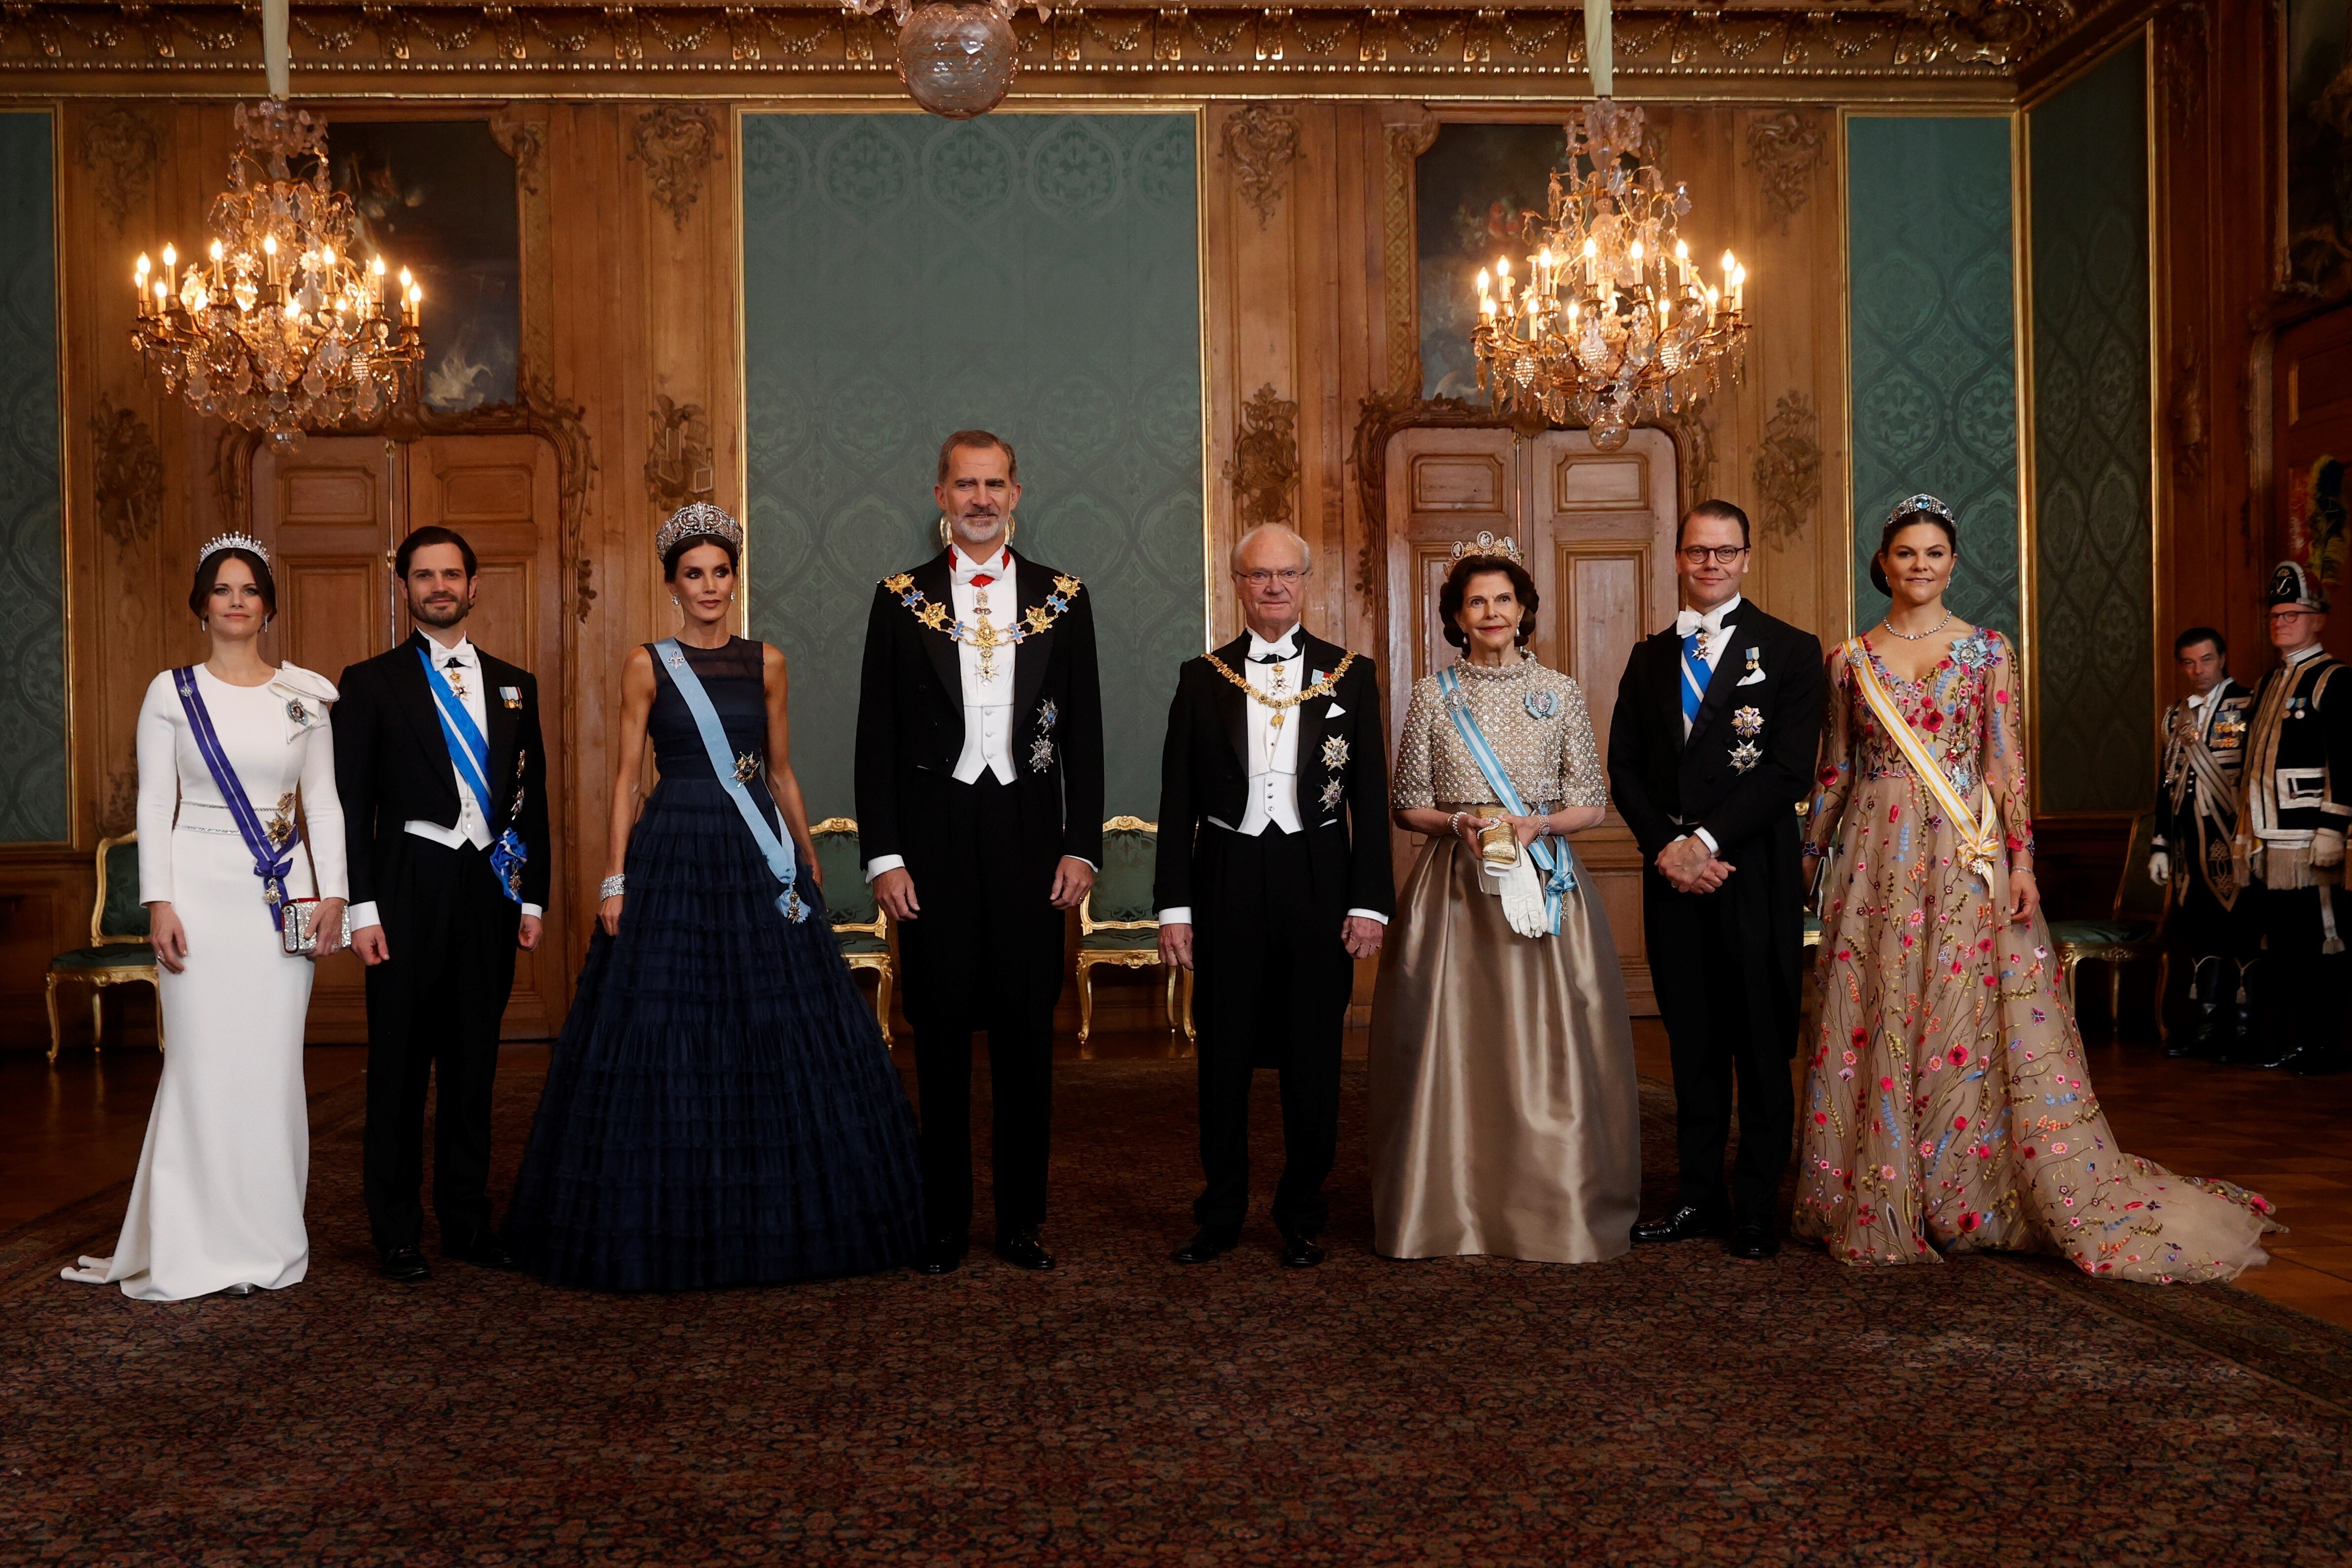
(1723, 555)
(1287, 576)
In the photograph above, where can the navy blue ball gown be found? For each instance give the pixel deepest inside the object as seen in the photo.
(720, 1109)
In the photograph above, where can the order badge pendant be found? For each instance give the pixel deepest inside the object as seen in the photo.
(1745, 755)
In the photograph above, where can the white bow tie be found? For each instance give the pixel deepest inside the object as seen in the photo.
(1260, 649)
(1689, 620)
(966, 569)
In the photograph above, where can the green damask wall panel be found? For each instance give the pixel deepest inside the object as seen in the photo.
(1932, 289)
(33, 807)
(2094, 684)
(1031, 274)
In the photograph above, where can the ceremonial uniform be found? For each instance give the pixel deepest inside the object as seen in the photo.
(2296, 804)
(2211, 929)
(980, 766)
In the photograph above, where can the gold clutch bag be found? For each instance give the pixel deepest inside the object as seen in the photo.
(298, 931)
(1498, 844)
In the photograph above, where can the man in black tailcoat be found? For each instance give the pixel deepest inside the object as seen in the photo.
(1273, 878)
(443, 780)
(979, 803)
(1717, 723)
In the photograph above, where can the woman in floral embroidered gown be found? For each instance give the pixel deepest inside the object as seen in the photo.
(1948, 1107)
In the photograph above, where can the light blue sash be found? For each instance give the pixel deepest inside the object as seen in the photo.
(1553, 859)
(777, 847)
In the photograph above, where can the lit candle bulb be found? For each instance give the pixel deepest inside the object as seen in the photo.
(377, 269)
(163, 298)
(416, 307)
(1591, 260)
(1739, 286)
(217, 253)
(139, 280)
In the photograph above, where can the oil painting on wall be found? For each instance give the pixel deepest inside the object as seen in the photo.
(2318, 144)
(438, 197)
(1472, 190)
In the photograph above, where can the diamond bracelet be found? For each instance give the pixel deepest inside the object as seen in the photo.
(610, 887)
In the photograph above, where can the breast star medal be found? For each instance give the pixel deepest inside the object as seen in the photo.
(1745, 755)
(1746, 723)
(1540, 705)
(1041, 755)
(1334, 790)
(1335, 751)
(747, 767)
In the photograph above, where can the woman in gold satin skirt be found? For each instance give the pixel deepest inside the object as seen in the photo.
(1504, 1115)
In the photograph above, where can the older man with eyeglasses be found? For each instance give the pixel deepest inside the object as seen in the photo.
(1717, 726)
(1273, 878)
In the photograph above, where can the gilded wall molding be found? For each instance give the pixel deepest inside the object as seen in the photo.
(1400, 253)
(1785, 150)
(126, 474)
(1264, 468)
(1260, 143)
(119, 149)
(679, 466)
(560, 39)
(677, 144)
(1787, 469)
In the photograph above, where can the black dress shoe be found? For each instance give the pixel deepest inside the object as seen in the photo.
(1684, 1224)
(406, 1264)
(941, 1255)
(489, 1252)
(1752, 1241)
(1211, 1241)
(1300, 1252)
(1023, 1250)
(235, 1292)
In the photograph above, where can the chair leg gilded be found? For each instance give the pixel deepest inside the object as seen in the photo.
(2114, 997)
(2163, 978)
(1086, 1001)
(2067, 965)
(56, 1036)
(97, 1019)
(882, 1001)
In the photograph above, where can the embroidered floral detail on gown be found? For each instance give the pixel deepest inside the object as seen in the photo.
(1948, 1106)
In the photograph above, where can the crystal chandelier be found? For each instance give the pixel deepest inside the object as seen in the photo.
(285, 330)
(956, 59)
(1611, 324)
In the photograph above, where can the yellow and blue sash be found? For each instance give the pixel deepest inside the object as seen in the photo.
(1978, 828)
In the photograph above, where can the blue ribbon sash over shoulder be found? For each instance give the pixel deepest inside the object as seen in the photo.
(777, 847)
(1550, 854)
(469, 753)
(271, 859)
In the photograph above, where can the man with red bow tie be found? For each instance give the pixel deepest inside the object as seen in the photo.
(979, 803)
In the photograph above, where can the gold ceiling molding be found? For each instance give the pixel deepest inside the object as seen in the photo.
(1432, 40)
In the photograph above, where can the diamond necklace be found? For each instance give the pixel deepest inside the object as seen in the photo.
(1918, 636)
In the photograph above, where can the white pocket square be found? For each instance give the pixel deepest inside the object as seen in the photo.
(1751, 678)
(1335, 711)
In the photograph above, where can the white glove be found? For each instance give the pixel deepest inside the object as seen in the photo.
(1521, 891)
(2327, 848)
(2159, 867)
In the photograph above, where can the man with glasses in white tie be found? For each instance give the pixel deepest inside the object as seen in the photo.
(1713, 744)
(1273, 878)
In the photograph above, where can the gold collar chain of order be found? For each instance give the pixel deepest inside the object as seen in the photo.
(1281, 705)
(985, 635)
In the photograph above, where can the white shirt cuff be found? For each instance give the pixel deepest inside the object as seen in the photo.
(881, 863)
(533, 910)
(1703, 836)
(1367, 914)
(1180, 917)
(360, 916)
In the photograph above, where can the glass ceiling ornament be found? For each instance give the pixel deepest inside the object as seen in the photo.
(1610, 325)
(285, 330)
(957, 59)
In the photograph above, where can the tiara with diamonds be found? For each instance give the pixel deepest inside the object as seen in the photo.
(1922, 504)
(1486, 546)
(699, 520)
(232, 541)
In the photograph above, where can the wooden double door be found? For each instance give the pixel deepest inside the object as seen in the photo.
(1597, 530)
(331, 513)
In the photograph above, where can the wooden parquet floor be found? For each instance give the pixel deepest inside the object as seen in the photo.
(73, 1130)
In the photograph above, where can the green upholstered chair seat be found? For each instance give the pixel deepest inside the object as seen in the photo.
(848, 897)
(2099, 933)
(1122, 889)
(860, 942)
(1812, 930)
(110, 956)
(122, 915)
(1119, 940)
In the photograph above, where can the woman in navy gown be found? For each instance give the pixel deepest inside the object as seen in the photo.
(720, 1109)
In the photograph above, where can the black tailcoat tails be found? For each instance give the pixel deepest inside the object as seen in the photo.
(1728, 965)
(984, 951)
(448, 924)
(1273, 971)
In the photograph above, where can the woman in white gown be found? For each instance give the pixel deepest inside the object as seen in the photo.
(217, 1204)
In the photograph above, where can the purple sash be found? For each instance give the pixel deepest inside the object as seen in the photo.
(271, 861)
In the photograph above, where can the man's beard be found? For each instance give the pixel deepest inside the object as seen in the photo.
(444, 615)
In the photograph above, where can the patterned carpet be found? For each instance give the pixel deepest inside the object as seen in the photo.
(1670, 1406)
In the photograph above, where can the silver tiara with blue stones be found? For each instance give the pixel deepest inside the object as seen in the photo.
(1922, 504)
(699, 520)
(213, 546)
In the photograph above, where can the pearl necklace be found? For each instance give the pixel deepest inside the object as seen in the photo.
(1918, 636)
